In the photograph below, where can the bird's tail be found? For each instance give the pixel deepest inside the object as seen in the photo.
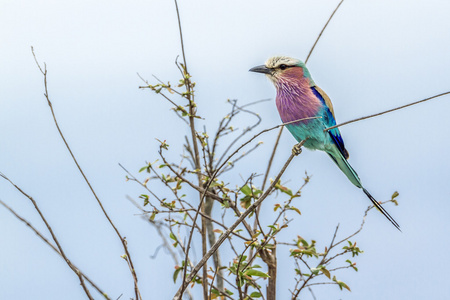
(381, 209)
(347, 169)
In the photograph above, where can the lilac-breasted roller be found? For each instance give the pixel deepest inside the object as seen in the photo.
(298, 97)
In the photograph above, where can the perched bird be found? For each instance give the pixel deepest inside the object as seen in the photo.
(298, 97)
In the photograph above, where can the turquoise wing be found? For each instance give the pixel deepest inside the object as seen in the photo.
(329, 120)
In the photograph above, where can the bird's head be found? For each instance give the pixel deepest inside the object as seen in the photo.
(282, 69)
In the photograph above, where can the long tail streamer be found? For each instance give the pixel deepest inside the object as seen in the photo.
(381, 209)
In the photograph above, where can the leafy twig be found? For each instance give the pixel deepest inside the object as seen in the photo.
(232, 227)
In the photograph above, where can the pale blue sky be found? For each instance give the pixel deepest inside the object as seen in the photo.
(375, 55)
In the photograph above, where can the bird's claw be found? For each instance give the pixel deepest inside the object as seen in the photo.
(297, 149)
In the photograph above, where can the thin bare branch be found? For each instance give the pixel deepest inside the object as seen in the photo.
(246, 130)
(122, 239)
(190, 98)
(269, 165)
(387, 111)
(39, 234)
(181, 33)
(321, 32)
(61, 251)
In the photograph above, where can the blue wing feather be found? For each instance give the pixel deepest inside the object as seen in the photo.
(330, 121)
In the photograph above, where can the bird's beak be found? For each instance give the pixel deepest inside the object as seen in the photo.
(261, 69)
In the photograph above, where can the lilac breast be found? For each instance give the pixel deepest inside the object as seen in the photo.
(295, 100)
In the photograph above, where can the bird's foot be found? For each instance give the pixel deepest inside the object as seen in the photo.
(297, 149)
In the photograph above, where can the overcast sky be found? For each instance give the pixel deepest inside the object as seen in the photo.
(374, 55)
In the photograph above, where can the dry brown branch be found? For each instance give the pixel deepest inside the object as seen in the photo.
(321, 32)
(61, 251)
(39, 234)
(209, 202)
(122, 239)
(190, 97)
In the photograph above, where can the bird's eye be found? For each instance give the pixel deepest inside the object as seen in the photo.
(283, 67)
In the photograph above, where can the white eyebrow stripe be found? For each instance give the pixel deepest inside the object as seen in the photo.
(276, 61)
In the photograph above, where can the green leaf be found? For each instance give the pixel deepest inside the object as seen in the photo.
(255, 295)
(163, 145)
(172, 236)
(146, 199)
(341, 284)
(175, 274)
(296, 210)
(394, 195)
(257, 273)
(229, 292)
(283, 189)
(246, 202)
(326, 272)
(352, 264)
(241, 280)
(315, 271)
(246, 190)
(215, 292)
